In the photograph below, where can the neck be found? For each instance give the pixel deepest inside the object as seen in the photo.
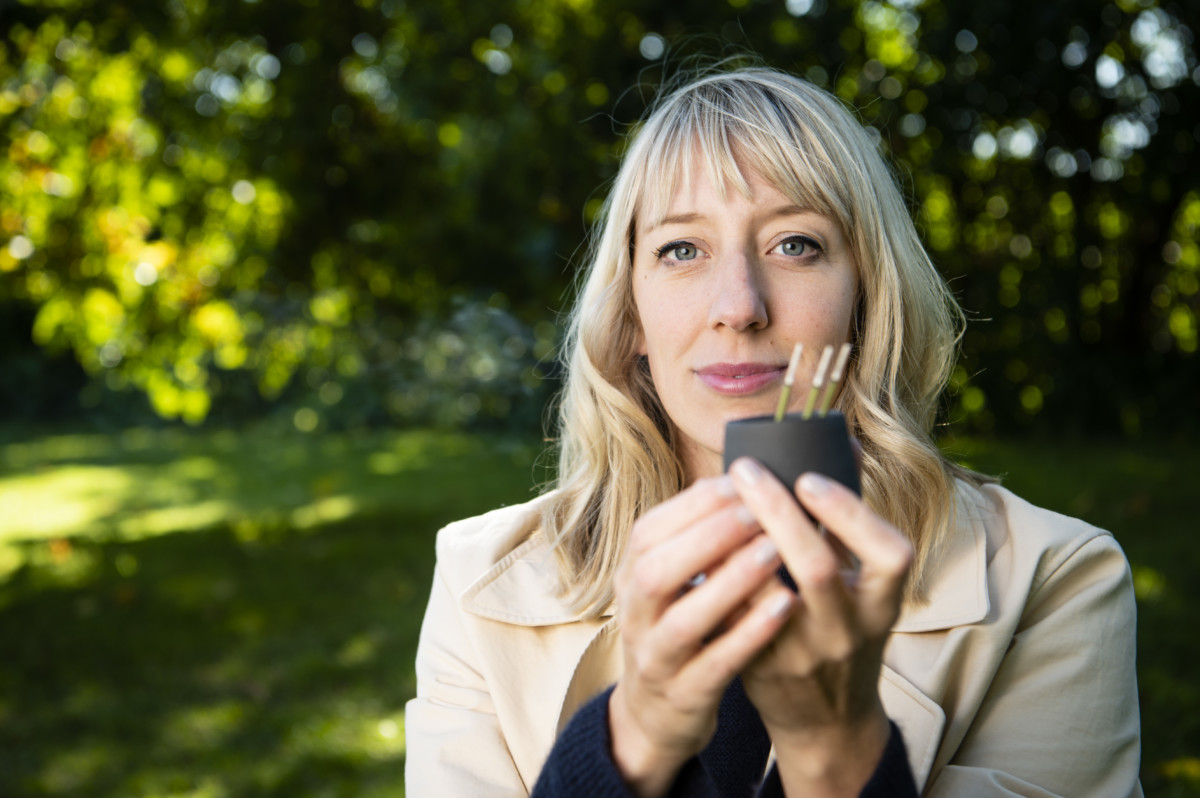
(699, 462)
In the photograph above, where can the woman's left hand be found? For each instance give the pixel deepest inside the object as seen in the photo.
(816, 685)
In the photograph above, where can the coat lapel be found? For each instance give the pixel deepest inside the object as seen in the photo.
(957, 596)
(557, 663)
(918, 717)
(600, 665)
(958, 591)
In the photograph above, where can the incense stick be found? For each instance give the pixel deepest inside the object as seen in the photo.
(834, 380)
(818, 381)
(788, 379)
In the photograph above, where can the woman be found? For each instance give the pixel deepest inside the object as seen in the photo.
(984, 648)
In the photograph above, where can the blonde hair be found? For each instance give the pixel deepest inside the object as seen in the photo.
(616, 453)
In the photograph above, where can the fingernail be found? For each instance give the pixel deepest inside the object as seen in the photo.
(744, 516)
(780, 605)
(748, 470)
(766, 553)
(814, 485)
(725, 487)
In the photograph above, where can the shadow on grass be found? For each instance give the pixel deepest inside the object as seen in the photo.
(275, 665)
(256, 657)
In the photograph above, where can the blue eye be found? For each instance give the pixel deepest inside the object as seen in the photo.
(797, 246)
(677, 250)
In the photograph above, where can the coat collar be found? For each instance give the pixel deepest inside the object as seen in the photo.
(523, 589)
(958, 591)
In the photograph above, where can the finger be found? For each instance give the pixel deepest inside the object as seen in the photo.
(701, 613)
(734, 648)
(700, 499)
(765, 588)
(650, 582)
(884, 552)
(811, 561)
(660, 573)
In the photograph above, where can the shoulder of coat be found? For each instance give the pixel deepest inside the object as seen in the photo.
(1043, 538)
(468, 548)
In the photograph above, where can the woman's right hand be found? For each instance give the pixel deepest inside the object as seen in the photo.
(683, 646)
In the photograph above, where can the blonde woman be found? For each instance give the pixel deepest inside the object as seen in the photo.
(985, 647)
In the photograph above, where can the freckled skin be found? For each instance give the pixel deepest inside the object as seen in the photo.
(736, 281)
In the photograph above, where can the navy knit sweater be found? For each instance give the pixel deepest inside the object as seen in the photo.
(581, 764)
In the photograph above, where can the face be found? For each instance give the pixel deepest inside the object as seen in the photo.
(724, 288)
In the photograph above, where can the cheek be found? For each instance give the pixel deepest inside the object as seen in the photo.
(839, 309)
(827, 314)
(638, 326)
(848, 304)
(656, 319)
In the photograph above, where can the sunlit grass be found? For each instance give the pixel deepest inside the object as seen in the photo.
(142, 483)
(235, 613)
(61, 501)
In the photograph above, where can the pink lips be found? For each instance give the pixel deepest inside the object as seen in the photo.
(739, 379)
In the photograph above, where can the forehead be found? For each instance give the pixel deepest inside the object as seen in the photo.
(729, 163)
(697, 195)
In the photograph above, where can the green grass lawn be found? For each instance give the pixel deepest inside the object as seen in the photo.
(235, 613)
(186, 614)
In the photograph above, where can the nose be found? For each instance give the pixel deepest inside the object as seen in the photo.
(738, 301)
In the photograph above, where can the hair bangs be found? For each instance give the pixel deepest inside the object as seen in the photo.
(714, 129)
(690, 140)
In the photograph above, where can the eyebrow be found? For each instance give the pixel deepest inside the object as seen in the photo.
(687, 218)
(679, 218)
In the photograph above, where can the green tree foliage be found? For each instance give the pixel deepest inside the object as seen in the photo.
(392, 195)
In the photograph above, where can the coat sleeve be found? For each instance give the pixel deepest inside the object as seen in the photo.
(1060, 717)
(454, 745)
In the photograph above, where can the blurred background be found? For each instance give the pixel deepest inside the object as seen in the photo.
(280, 294)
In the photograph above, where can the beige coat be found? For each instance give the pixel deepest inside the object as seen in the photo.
(1016, 678)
